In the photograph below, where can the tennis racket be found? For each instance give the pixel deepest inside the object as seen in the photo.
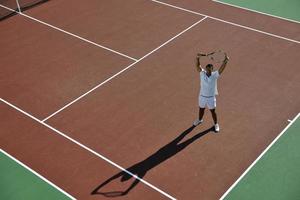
(217, 56)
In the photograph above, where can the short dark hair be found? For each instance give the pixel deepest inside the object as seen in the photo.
(209, 65)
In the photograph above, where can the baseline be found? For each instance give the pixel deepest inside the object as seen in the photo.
(228, 22)
(88, 149)
(68, 33)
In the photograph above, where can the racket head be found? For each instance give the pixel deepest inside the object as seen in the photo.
(217, 56)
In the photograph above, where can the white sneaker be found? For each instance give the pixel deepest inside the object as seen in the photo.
(197, 122)
(217, 128)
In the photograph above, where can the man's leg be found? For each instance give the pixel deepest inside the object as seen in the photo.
(202, 104)
(214, 115)
(199, 120)
(212, 104)
(201, 113)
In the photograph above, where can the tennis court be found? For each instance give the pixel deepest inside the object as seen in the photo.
(98, 100)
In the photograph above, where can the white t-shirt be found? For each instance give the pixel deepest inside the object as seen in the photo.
(209, 84)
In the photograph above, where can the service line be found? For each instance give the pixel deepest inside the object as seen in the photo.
(123, 70)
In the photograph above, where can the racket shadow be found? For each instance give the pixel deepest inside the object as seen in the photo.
(141, 168)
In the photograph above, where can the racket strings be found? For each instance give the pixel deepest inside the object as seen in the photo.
(217, 56)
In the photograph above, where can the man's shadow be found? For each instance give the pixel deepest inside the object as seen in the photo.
(140, 169)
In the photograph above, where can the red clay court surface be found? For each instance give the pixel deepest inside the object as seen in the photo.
(141, 119)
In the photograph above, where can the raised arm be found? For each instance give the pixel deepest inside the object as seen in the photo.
(221, 69)
(198, 64)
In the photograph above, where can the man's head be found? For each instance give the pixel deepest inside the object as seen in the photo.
(209, 68)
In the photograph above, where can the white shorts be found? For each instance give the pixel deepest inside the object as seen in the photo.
(210, 102)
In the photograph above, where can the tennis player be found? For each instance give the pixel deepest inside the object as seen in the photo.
(208, 91)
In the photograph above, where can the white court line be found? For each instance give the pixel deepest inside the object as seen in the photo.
(120, 72)
(69, 33)
(88, 149)
(258, 158)
(255, 11)
(228, 22)
(37, 174)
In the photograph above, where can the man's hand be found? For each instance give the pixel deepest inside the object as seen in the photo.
(226, 58)
(198, 65)
(224, 64)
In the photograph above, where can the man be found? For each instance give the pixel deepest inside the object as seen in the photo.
(208, 91)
